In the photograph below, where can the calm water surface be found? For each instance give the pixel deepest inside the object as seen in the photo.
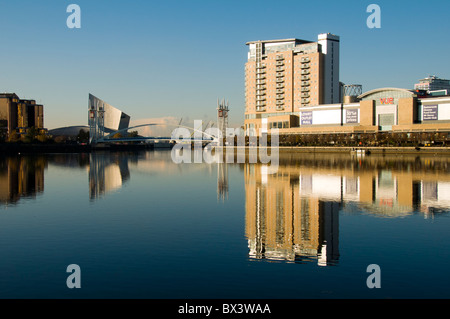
(141, 226)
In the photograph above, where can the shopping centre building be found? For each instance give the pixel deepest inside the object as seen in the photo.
(293, 85)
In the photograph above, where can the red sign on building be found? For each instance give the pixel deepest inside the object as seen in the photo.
(387, 100)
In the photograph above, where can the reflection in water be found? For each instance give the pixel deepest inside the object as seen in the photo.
(308, 211)
(293, 215)
(21, 176)
(281, 224)
(222, 181)
(107, 172)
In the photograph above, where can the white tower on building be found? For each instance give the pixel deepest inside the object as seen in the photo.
(330, 49)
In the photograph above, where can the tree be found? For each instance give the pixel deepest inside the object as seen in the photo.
(117, 135)
(60, 139)
(2, 136)
(13, 137)
(133, 134)
(31, 135)
(83, 136)
(43, 138)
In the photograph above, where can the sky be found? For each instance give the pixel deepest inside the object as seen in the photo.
(162, 61)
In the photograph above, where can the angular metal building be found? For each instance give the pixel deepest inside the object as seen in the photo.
(104, 118)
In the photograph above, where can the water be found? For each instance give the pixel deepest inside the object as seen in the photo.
(141, 226)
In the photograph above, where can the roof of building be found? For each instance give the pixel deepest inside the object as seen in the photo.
(8, 95)
(432, 78)
(69, 130)
(280, 40)
(365, 94)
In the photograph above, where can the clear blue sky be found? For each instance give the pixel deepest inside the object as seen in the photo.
(175, 58)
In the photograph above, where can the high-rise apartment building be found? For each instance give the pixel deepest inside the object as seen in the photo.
(283, 76)
(19, 115)
(8, 112)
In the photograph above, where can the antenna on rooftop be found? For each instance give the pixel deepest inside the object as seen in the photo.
(222, 116)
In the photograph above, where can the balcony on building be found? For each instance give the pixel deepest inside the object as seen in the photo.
(260, 106)
(261, 103)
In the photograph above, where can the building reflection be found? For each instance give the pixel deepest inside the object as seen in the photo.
(281, 224)
(222, 181)
(21, 177)
(293, 214)
(107, 172)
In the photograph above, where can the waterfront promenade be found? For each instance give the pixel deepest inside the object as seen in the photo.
(78, 148)
(374, 150)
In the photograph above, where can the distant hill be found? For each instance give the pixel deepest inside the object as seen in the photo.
(68, 131)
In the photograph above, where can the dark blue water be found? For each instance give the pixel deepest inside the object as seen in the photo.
(141, 226)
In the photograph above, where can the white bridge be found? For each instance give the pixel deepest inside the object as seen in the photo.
(105, 121)
(109, 138)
